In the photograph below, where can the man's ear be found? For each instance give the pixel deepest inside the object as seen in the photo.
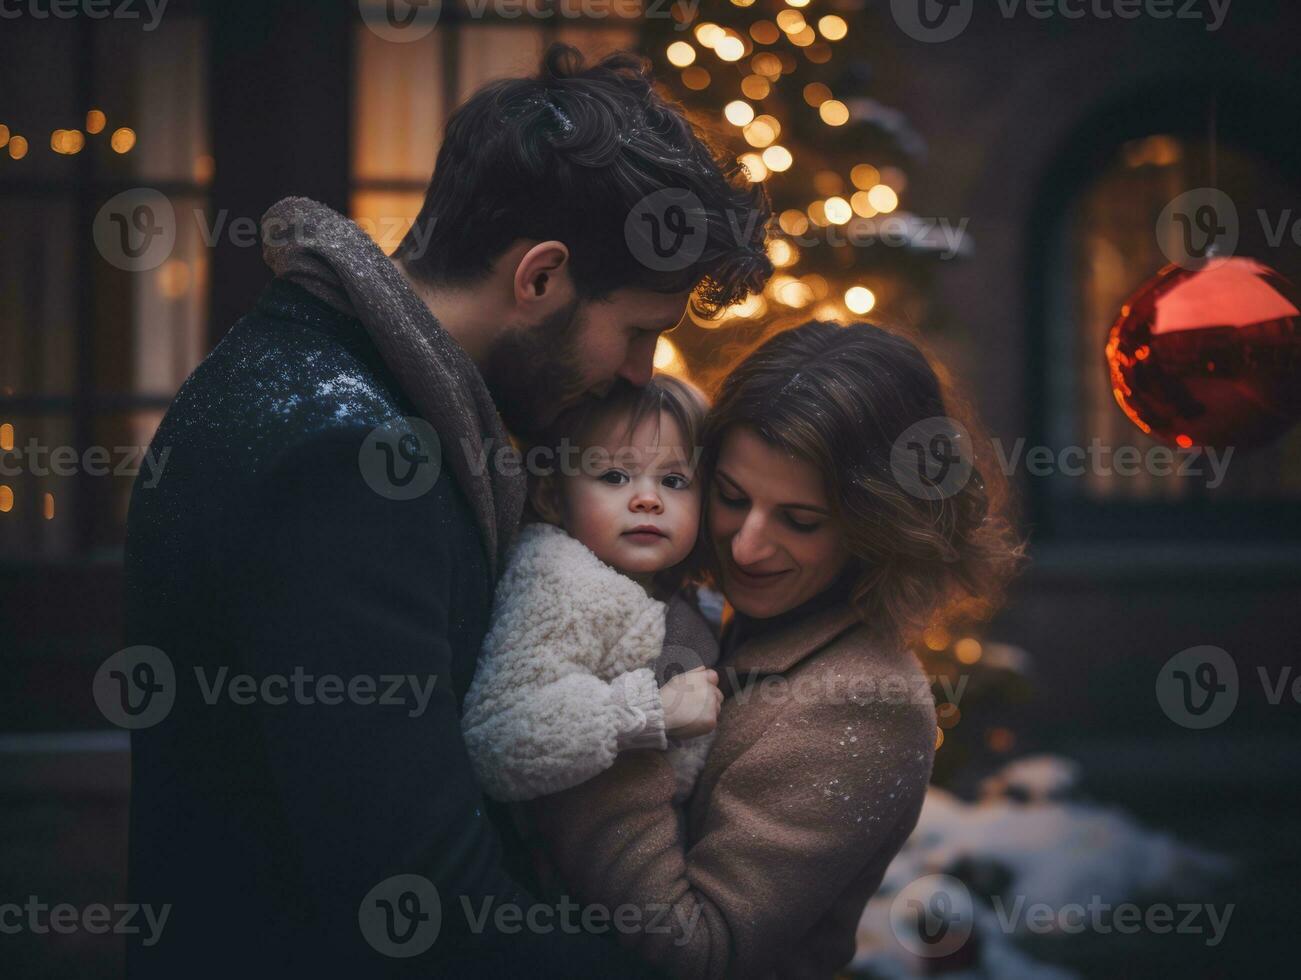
(544, 499)
(543, 275)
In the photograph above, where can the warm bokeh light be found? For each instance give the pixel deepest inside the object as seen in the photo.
(818, 214)
(6, 499)
(174, 279)
(680, 54)
(7, 437)
(667, 358)
(793, 222)
(782, 253)
(95, 122)
(828, 182)
(123, 140)
(765, 32)
(791, 21)
(4, 136)
(833, 28)
(865, 176)
(792, 292)
(752, 306)
(797, 3)
(755, 87)
(967, 650)
(861, 300)
(743, 3)
(838, 210)
(709, 34)
(739, 113)
(754, 166)
(803, 38)
(49, 507)
(883, 198)
(760, 133)
(766, 64)
(819, 53)
(730, 48)
(861, 205)
(695, 78)
(778, 158)
(936, 637)
(815, 93)
(894, 178)
(18, 147)
(1000, 740)
(834, 112)
(67, 141)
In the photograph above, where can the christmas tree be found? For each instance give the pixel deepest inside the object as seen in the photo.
(786, 84)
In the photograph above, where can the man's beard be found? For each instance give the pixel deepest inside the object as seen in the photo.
(534, 373)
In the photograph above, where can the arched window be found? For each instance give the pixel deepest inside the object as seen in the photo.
(1097, 242)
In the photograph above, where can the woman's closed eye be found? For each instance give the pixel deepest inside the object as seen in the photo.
(737, 503)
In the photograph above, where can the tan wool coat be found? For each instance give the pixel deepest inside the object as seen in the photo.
(821, 758)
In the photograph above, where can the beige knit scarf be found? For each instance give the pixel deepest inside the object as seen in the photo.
(330, 256)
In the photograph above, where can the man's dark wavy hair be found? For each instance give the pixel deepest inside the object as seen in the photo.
(566, 155)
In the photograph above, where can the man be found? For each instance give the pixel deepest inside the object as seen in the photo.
(314, 572)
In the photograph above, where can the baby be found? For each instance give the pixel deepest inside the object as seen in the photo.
(575, 668)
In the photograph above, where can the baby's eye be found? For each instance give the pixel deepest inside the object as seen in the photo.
(676, 481)
(615, 478)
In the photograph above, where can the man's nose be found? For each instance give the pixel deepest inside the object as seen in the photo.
(639, 368)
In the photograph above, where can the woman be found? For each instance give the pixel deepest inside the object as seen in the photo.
(833, 557)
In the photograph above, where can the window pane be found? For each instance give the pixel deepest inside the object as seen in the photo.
(1112, 250)
(386, 216)
(596, 42)
(398, 107)
(38, 487)
(489, 51)
(37, 300)
(153, 84)
(150, 323)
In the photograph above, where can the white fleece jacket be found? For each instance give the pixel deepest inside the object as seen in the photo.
(564, 681)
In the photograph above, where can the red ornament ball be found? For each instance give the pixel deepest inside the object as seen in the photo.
(1209, 356)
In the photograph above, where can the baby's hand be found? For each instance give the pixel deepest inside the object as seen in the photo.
(691, 701)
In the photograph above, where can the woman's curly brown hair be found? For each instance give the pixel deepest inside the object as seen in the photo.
(840, 397)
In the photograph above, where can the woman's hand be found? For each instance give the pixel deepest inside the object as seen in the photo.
(691, 702)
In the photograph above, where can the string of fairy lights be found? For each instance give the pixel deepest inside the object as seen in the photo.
(70, 142)
(757, 60)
